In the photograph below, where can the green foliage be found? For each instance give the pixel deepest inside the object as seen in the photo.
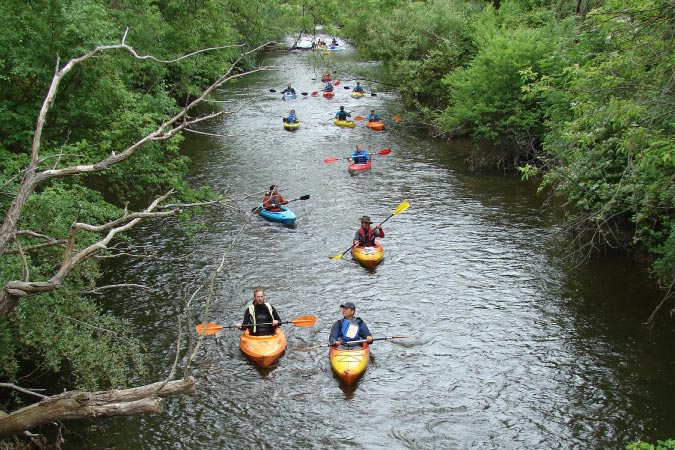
(74, 338)
(419, 41)
(668, 444)
(103, 106)
(616, 143)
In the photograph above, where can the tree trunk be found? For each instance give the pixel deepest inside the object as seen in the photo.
(82, 405)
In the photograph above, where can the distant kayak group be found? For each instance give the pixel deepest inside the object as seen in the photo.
(262, 340)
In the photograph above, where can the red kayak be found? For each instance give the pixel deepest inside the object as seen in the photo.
(358, 168)
(330, 94)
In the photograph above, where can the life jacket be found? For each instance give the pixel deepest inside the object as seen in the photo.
(251, 312)
(350, 331)
(272, 202)
(342, 115)
(360, 158)
(368, 240)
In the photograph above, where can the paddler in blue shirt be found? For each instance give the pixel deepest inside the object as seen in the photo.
(349, 328)
(360, 156)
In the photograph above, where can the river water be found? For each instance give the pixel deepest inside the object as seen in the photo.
(512, 344)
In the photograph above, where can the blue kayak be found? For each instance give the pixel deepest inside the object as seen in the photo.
(288, 95)
(285, 215)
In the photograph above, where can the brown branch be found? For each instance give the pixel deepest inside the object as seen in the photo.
(81, 405)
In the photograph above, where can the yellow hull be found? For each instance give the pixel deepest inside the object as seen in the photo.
(344, 123)
(263, 350)
(357, 94)
(369, 256)
(349, 365)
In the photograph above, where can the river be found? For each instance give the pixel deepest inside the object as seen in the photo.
(513, 345)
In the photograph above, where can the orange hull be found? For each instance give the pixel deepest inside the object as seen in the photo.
(377, 126)
(328, 94)
(369, 257)
(263, 350)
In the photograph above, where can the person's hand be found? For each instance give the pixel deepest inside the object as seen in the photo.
(237, 325)
(369, 339)
(275, 323)
(336, 343)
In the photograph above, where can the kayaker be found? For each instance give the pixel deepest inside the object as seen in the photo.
(260, 318)
(334, 43)
(288, 90)
(372, 117)
(342, 114)
(326, 75)
(365, 236)
(360, 156)
(349, 328)
(273, 200)
(358, 87)
(329, 87)
(291, 117)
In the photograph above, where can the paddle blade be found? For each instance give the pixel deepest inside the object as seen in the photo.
(359, 118)
(384, 151)
(304, 321)
(273, 90)
(208, 328)
(338, 256)
(337, 83)
(304, 197)
(372, 94)
(401, 207)
(303, 93)
(397, 119)
(330, 160)
(315, 93)
(346, 87)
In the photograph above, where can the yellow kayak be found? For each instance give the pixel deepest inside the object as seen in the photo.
(291, 126)
(349, 364)
(344, 123)
(263, 350)
(357, 94)
(369, 256)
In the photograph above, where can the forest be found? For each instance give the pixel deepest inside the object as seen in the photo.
(576, 96)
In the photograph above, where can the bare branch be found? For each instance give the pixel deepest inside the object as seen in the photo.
(99, 289)
(23, 390)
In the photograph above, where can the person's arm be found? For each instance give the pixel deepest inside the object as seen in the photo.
(281, 200)
(357, 239)
(364, 332)
(275, 318)
(247, 321)
(334, 337)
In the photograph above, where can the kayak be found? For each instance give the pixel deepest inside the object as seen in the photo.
(357, 94)
(344, 123)
(336, 48)
(377, 126)
(349, 364)
(289, 96)
(326, 79)
(263, 350)
(284, 215)
(369, 257)
(291, 126)
(327, 94)
(358, 168)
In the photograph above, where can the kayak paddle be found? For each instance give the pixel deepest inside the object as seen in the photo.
(386, 338)
(259, 207)
(213, 328)
(384, 151)
(399, 209)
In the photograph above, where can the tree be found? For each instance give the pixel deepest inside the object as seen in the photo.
(82, 241)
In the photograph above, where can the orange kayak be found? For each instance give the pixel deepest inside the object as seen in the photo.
(263, 350)
(349, 364)
(328, 94)
(369, 256)
(377, 126)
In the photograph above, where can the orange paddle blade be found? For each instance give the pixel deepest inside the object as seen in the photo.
(304, 321)
(330, 160)
(337, 83)
(208, 328)
(359, 118)
(397, 118)
(384, 151)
